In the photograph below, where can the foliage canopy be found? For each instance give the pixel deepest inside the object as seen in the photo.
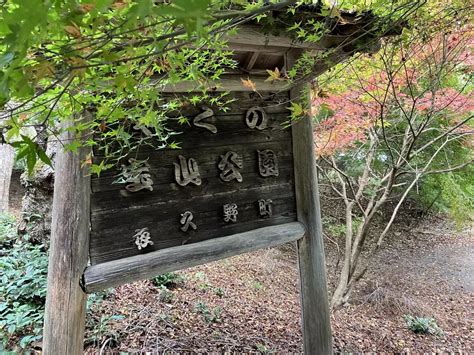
(59, 58)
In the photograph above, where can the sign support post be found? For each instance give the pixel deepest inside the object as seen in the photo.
(64, 322)
(316, 322)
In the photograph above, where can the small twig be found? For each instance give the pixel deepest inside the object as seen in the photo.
(338, 251)
(104, 345)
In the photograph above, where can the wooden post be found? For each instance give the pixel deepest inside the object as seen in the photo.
(316, 324)
(64, 322)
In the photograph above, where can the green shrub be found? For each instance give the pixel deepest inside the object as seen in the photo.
(422, 325)
(7, 230)
(24, 268)
(219, 291)
(336, 229)
(166, 295)
(98, 325)
(99, 330)
(209, 316)
(22, 292)
(201, 276)
(451, 193)
(95, 299)
(169, 280)
(216, 316)
(201, 307)
(262, 348)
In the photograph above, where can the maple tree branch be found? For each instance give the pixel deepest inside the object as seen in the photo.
(449, 131)
(449, 170)
(329, 180)
(418, 175)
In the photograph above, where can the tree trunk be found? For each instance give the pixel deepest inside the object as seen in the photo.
(38, 199)
(7, 157)
(338, 298)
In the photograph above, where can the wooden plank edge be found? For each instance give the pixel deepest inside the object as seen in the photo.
(253, 35)
(315, 317)
(139, 267)
(65, 308)
(226, 83)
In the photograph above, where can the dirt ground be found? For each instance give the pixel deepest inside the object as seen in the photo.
(250, 303)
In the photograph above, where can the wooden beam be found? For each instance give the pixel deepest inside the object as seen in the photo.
(317, 338)
(114, 273)
(233, 82)
(251, 35)
(226, 83)
(252, 58)
(64, 321)
(238, 47)
(251, 38)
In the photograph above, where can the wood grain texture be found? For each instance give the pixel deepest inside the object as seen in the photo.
(114, 273)
(252, 35)
(317, 338)
(226, 82)
(65, 300)
(118, 213)
(162, 168)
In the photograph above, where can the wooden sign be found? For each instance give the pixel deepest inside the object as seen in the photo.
(241, 180)
(234, 173)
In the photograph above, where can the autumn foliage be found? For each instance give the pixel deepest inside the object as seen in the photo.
(396, 125)
(375, 92)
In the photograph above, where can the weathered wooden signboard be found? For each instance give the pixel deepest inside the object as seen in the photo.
(234, 173)
(241, 180)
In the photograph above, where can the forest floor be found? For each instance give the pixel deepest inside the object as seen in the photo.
(250, 303)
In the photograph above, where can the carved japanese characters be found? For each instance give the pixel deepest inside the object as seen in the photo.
(142, 238)
(230, 212)
(187, 171)
(257, 118)
(202, 116)
(137, 178)
(229, 165)
(187, 221)
(220, 178)
(265, 207)
(267, 163)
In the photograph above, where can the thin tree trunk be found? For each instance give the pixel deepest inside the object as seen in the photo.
(361, 235)
(340, 292)
(7, 157)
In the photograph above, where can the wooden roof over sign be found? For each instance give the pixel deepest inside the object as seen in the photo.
(258, 48)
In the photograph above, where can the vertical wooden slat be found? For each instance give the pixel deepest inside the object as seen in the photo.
(317, 338)
(64, 322)
(252, 58)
